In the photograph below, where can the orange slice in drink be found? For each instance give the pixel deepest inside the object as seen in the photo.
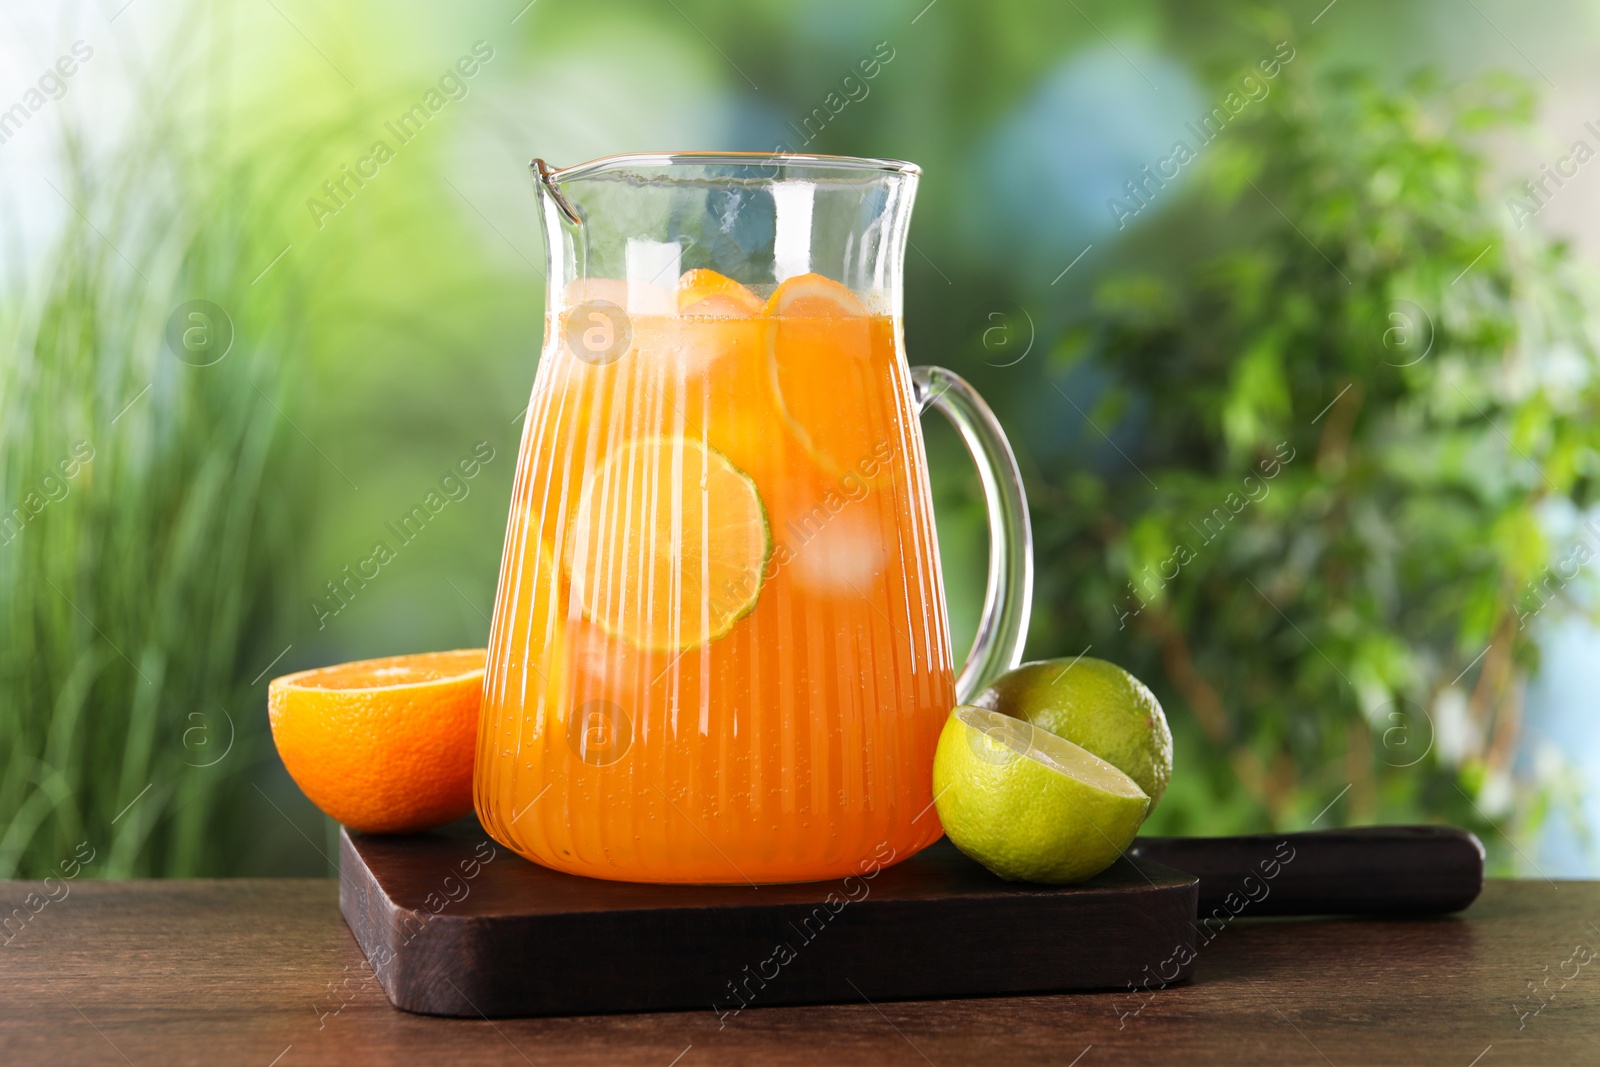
(813, 296)
(824, 348)
(705, 292)
(670, 544)
(383, 745)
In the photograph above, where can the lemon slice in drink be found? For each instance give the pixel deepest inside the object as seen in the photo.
(1029, 805)
(670, 544)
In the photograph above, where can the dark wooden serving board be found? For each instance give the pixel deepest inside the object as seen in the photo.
(456, 925)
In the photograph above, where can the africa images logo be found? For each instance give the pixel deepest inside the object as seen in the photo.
(51, 85)
(342, 188)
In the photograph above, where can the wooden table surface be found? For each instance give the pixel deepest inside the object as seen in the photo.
(265, 973)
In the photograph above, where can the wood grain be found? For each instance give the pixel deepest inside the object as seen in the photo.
(455, 926)
(265, 973)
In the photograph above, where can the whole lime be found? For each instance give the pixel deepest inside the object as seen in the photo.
(1029, 805)
(1097, 705)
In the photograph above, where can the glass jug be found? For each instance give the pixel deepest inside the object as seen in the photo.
(719, 651)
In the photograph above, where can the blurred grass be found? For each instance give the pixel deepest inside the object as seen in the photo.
(134, 607)
(142, 614)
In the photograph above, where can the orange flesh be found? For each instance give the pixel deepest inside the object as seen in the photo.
(389, 671)
(798, 745)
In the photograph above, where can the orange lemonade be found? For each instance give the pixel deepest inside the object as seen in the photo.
(719, 649)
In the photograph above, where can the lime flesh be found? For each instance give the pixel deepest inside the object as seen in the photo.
(1028, 805)
(1097, 705)
(670, 544)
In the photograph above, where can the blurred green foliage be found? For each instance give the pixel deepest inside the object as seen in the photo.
(1350, 414)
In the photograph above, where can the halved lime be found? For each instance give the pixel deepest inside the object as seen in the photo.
(1094, 704)
(1029, 805)
(670, 544)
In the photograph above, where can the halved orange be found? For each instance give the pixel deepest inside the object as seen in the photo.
(383, 745)
(705, 292)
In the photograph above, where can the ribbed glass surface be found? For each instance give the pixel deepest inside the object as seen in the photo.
(719, 650)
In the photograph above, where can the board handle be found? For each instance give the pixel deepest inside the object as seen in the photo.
(1366, 870)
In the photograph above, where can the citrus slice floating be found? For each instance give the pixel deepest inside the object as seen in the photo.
(1029, 805)
(814, 296)
(383, 745)
(705, 292)
(670, 544)
(825, 350)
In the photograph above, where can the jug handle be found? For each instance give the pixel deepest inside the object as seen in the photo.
(1008, 599)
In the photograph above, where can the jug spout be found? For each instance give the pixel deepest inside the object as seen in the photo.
(552, 188)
